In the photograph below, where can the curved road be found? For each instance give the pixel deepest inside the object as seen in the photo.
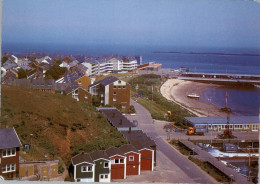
(145, 122)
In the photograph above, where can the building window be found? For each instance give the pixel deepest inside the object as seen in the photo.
(123, 106)
(105, 164)
(8, 168)
(103, 176)
(131, 158)
(114, 92)
(119, 82)
(114, 99)
(114, 87)
(246, 126)
(9, 152)
(86, 97)
(123, 87)
(79, 82)
(86, 168)
(119, 161)
(119, 87)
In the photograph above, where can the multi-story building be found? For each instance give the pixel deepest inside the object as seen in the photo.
(112, 91)
(9, 153)
(111, 63)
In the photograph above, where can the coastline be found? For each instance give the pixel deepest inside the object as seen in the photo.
(177, 90)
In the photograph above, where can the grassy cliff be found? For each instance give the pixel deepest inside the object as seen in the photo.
(60, 126)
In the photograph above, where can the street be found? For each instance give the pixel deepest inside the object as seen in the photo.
(171, 156)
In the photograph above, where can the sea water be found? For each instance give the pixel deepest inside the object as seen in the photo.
(242, 101)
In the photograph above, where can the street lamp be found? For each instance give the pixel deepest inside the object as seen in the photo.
(31, 139)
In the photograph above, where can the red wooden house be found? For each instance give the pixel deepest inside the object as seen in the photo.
(118, 163)
(145, 146)
(133, 159)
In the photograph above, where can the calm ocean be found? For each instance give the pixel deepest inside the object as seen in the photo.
(243, 101)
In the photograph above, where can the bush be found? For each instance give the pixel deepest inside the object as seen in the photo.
(60, 168)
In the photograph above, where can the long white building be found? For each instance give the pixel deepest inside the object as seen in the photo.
(111, 64)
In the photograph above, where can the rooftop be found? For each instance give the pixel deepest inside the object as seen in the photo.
(105, 81)
(9, 138)
(223, 120)
(116, 118)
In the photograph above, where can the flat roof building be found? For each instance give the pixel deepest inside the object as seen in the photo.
(236, 123)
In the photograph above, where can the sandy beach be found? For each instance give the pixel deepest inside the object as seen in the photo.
(177, 90)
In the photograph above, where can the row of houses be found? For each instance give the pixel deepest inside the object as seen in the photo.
(37, 67)
(117, 163)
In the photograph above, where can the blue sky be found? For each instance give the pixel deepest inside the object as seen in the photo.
(210, 23)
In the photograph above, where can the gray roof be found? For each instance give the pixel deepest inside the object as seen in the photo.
(112, 151)
(116, 118)
(105, 81)
(223, 120)
(128, 148)
(43, 83)
(138, 139)
(82, 157)
(99, 154)
(72, 87)
(9, 138)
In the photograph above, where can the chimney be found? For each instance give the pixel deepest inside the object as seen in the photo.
(129, 131)
(121, 121)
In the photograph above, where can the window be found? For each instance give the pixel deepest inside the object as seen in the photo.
(8, 168)
(119, 82)
(114, 92)
(79, 82)
(123, 87)
(114, 87)
(114, 99)
(9, 152)
(119, 87)
(123, 106)
(105, 164)
(131, 158)
(119, 161)
(86, 97)
(86, 168)
(246, 126)
(103, 176)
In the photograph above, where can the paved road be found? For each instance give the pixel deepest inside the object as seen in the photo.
(191, 170)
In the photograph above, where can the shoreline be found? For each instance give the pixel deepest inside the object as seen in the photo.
(176, 90)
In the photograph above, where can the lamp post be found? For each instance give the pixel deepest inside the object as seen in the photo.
(31, 139)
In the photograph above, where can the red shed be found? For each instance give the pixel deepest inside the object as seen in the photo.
(132, 159)
(118, 163)
(147, 158)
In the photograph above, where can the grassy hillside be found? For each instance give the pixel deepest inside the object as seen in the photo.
(60, 125)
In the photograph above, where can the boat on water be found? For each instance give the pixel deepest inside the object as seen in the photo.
(193, 96)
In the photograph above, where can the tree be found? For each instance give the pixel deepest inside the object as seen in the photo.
(55, 72)
(96, 100)
(22, 73)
